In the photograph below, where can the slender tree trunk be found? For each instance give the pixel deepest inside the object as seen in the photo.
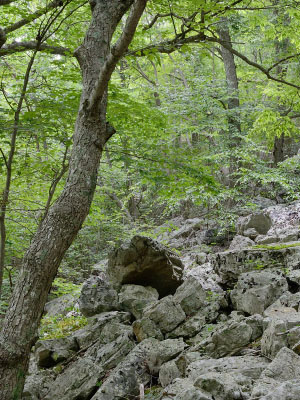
(65, 217)
(233, 98)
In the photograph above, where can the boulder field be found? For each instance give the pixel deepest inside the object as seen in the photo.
(224, 327)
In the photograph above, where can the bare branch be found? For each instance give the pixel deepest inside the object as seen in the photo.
(117, 51)
(283, 60)
(18, 47)
(37, 14)
(250, 62)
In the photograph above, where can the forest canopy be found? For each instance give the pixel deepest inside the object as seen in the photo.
(192, 105)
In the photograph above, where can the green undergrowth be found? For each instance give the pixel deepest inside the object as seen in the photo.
(59, 326)
(278, 246)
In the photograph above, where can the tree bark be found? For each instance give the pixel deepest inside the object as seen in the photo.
(65, 217)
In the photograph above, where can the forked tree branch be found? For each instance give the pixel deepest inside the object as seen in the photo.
(117, 52)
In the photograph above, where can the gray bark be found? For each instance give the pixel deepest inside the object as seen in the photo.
(65, 217)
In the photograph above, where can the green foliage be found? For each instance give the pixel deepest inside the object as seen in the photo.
(59, 326)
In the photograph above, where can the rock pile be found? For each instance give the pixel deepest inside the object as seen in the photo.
(228, 329)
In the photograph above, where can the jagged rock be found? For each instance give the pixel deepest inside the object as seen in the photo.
(230, 337)
(193, 297)
(91, 332)
(183, 389)
(38, 384)
(165, 313)
(146, 328)
(288, 234)
(283, 372)
(82, 378)
(145, 262)
(240, 242)
(189, 227)
(52, 351)
(251, 233)
(229, 378)
(230, 264)
(283, 330)
(256, 290)
(260, 221)
(136, 368)
(134, 298)
(286, 300)
(190, 327)
(205, 275)
(97, 296)
(168, 372)
(61, 305)
(266, 239)
(249, 366)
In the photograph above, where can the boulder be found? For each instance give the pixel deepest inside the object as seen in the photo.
(230, 264)
(165, 313)
(146, 328)
(51, 352)
(136, 368)
(97, 296)
(283, 330)
(240, 242)
(282, 372)
(230, 337)
(183, 389)
(193, 297)
(259, 221)
(134, 298)
(256, 290)
(38, 384)
(143, 261)
(82, 378)
(61, 305)
(190, 327)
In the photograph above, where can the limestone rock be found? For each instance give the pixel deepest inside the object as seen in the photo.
(52, 351)
(91, 332)
(97, 296)
(61, 305)
(145, 262)
(134, 298)
(240, 242)
(230, 337)
(165, 313)
(283, 372)
(256, 290)
(259, 221)
(135, 368)
(283, 330)
(230, 264)
(183, 389)
(192, 297)
(146, 328)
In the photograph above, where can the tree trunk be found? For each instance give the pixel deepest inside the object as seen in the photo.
(65, 217)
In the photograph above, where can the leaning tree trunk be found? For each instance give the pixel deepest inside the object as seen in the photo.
(66, 216)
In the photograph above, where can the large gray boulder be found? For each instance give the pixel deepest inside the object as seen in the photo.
(134, 298)
(229, 265)
(282, 373)
(97, 296)
(256, 290)
(183, 389)
(61, 305)
(80, 379)
(165, 313)
(137, 368)
(143, 261)
(52, 351)
(193, 297)
(259, 221)
(93, 330)
(240, 242)
(230, 337)
(283, 330)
